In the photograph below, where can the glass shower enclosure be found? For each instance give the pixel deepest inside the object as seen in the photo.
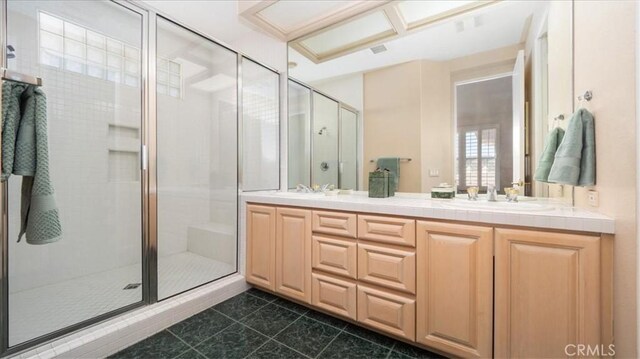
(323, 139)
(143, 156)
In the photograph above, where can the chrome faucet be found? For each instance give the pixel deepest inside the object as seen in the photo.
(313, 189)
(492, 194)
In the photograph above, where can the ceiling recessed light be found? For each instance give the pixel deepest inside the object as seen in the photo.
(378, 49)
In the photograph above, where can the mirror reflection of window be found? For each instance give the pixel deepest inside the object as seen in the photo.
(484, 133)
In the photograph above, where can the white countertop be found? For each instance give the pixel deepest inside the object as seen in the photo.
(530, 212)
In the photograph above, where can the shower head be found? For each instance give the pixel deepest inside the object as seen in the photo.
(322, 130)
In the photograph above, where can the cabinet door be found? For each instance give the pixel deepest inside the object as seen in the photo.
(261, 246)
(455, 288)
(547, 293)
(293, 253)
(387, 266)
(336, 223)
(392, 230)
(388, 312)
(334, 255)
(334, 295)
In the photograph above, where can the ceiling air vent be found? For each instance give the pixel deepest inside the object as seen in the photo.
(378, 49)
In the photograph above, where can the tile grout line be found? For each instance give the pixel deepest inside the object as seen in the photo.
(321, 322)
(328, 344)
(285, 345)
(189, 345)
(269, 338)
(391, 350)
(276, 341)
(343, 329)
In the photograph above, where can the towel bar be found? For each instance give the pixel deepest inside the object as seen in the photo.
(405, 159)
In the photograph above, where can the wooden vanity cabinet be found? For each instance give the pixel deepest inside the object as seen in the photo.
(293, 253)
(455, 288)
(548, 293)
(261, 246)
(467, 290)
(279, 250)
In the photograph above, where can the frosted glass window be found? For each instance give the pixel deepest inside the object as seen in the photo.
(96, 40)
(115, 47)
(131, 53)
(51, 41)
(74, 32)
(88, 52)
(51, 24)
(261, 127)
(74, 48)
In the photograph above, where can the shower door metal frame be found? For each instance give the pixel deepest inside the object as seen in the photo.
(5, 349)
(148, 170)
(312, 131)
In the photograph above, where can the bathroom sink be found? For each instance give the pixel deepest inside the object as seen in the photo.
(526, 206)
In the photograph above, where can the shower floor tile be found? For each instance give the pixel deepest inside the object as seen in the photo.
(260, 325)
(38, 311)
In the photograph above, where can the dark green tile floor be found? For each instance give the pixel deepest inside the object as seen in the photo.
(256, 324)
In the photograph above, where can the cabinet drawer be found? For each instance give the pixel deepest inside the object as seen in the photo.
(400, 231)
(334, 255)
(334, 295)
(338, 223)
(388, 312)
(386, 266)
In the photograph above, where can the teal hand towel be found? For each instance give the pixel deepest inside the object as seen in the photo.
(25, 108)
(548, 154)
(575, 160)
(393, 165)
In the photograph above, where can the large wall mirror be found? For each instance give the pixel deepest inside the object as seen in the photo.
(462, 92)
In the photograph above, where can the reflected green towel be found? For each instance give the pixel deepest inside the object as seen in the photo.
(25, 152)
(393, 165)
(548, 154)
(575, 160)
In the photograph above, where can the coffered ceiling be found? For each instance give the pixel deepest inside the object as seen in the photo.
(324, 30)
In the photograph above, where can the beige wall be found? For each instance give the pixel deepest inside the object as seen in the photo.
(605, 63)
(392, 121)
(437, 136)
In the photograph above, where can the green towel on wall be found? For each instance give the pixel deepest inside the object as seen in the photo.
(25, 152)
(575, 160)
(548, 154)
(393, 165)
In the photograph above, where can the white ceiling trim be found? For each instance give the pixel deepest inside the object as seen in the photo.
(251, 11)
(400, 28)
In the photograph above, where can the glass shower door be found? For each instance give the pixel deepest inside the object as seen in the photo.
(196, 159)
(299, 136)
(91, 72)
(324, 158)
(348, 148)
